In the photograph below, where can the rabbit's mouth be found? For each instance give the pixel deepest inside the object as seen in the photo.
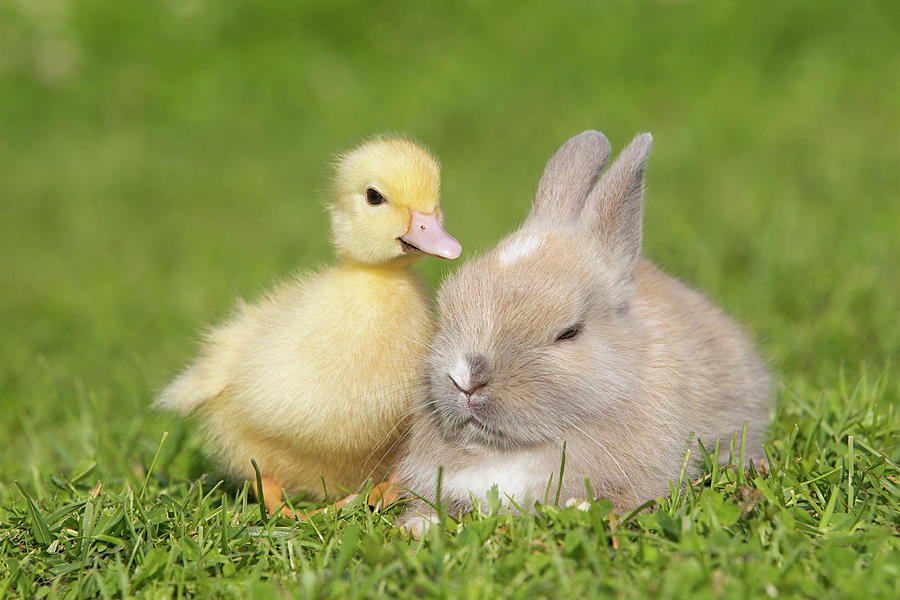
(470, 427)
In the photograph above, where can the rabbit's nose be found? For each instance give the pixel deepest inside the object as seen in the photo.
(469, 373)
(468, 391)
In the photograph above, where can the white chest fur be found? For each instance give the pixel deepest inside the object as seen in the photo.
(522, 476)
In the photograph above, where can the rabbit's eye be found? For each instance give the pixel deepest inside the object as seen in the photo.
(569, 333)
(374, 197)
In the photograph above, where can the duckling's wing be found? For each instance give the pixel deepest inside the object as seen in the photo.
(212, 372)
(190, 389)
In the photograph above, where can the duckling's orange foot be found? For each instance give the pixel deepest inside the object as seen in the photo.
(382, 495)
(385, 493)
(338, 504)
(272, 492)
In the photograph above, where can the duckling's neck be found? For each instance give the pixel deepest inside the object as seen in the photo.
(394, 267)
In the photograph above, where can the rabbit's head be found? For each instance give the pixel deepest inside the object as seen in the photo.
(537, 335)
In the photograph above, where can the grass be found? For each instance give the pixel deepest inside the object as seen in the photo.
(822, 523)
(160, 159)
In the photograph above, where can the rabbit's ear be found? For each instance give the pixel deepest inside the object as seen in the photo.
(614, 208)
(569, 176)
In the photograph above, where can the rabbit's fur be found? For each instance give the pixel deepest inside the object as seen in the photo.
(644, 364)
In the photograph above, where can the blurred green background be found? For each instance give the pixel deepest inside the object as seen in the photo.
(159, 159)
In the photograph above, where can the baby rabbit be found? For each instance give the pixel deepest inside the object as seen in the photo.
(563, 333)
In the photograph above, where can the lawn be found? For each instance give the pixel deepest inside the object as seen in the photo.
(161, 159)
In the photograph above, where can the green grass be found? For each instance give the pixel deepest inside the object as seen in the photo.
(161, 159)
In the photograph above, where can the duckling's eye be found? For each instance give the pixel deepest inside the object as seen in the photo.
(374, 197)
(569, 333)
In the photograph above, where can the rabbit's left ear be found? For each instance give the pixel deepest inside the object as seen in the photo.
(568, 177)
(613, 210)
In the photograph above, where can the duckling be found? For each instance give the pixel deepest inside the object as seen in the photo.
(313, 380)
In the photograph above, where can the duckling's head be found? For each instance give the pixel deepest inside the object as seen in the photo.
(386, 204)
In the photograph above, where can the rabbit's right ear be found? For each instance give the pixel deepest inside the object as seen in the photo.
(568, 177)
(614, 208)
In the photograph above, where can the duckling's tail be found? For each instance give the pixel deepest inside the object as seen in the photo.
(194, 386)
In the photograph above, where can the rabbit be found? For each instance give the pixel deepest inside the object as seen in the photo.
(564, 334)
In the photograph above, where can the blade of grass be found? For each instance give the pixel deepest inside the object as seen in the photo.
(829, 509)
(589, 489)
(38, 526)
(850, 497)
(153, 464)
(562, 469)
(742, 471)
(260, 494)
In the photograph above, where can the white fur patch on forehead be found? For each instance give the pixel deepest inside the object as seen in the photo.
(520, 247)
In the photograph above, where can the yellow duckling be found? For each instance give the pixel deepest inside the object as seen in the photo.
(313, 380)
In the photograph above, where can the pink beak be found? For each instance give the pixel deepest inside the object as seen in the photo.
(426, 233)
